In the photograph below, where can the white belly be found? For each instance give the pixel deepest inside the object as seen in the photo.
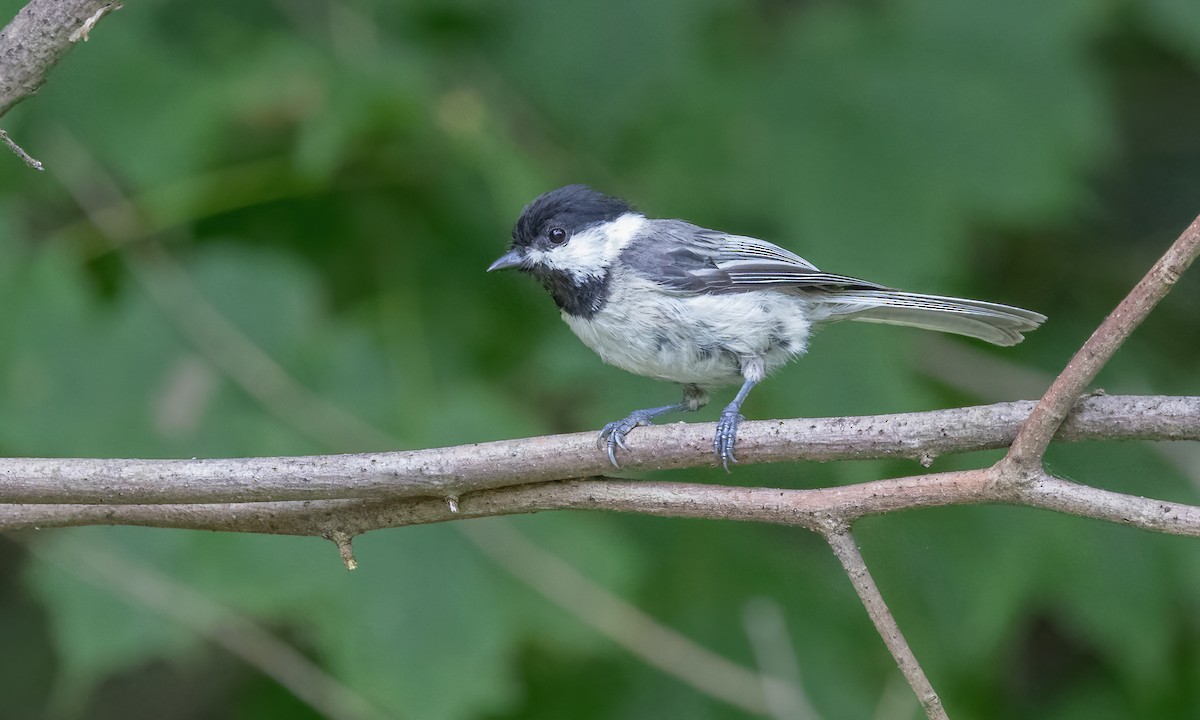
(704, 340)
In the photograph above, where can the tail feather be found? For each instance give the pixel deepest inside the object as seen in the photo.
(991, 322)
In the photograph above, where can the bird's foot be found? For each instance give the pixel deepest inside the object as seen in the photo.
(726, 436)
(613, 434)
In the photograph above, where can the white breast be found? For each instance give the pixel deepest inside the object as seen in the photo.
(707, 340)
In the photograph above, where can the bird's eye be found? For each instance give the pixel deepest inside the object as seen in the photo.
(557, 235)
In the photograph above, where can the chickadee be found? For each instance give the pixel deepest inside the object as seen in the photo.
(677, 302)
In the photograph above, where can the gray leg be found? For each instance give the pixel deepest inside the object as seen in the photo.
(613, 434)
(727, 426)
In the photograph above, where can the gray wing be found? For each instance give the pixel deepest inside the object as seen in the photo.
(689, 258)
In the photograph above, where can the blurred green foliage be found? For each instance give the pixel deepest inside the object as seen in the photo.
(334, 177)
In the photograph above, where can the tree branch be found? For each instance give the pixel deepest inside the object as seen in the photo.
(1035, 436)
(33, 42)
(456, 471)
(20, 152)
(38, 37)
(809, 508)
(846, 550)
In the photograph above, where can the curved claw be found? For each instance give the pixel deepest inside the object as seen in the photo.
(726, 437)
(613, 434)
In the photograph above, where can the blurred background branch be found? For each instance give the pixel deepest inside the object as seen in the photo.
(235, 633)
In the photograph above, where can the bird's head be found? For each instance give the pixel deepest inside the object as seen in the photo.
(573, 231)
(568, 239)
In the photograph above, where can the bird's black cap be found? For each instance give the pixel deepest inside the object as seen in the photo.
(572, 208)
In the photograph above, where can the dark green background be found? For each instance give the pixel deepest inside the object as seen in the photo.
(336, 176)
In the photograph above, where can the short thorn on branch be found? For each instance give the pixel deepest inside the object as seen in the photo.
(345, 546)
(82, 32)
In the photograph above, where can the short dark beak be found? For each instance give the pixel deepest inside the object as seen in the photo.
(510, 259)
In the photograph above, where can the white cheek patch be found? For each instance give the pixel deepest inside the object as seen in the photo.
(587, 254)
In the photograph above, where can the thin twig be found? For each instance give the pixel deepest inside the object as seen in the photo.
(847, 553)
(20, 152)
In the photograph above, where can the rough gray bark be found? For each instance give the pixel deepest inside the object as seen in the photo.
(37, 38)
(454, 471)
